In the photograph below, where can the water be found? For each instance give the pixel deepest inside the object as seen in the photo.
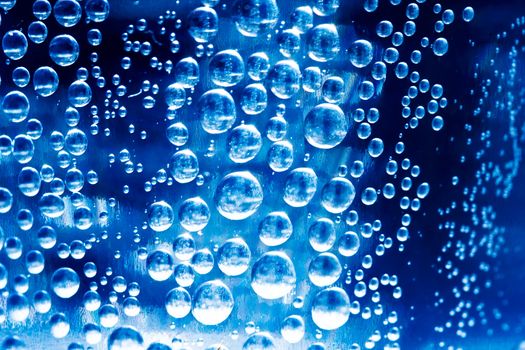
(261, 174)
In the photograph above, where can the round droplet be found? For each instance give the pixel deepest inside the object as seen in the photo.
(65, 282)
(64, 50)
(337, 195)
(184, 166)
(300, 187)
(361, 53)
(125, 338)
(15, 106)
(234, 257)
(255, 17)
(212, 303)
(178, 302)
(194, 214)
(244, 143)
(273, 275)
(324, 270)
(325, 126)
(238, 195)
(14, 44)
(203, 24)
(331, 308)
(226, 68)
(323, 42)
(275, 229)
(160, 265)
(216, 109)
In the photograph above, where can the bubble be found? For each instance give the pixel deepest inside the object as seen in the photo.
(160, 216)
(259, 341)
(21, 76)
(312, 79)
(184, 246)
(51, 205)
(273, 275)
(6, 200)
(337, 195)
(238, 195)
(177, 134)
(194, 214)
(184, 166)
(293, 329)
(29, 181)
(125, 338)
(175, 96)
(64, 50)
(276, 128)
(257, 66)
(333, 90)
(91, 301)
(254, 99)
(234, 257)
(67, 12)
(369, 196)
(37, 32)
(255, 17)
(289, 42)
(325, 126)
(65, 282)
(280, 156)
(178, 302)
(23, 149)
(160, 265)
(323, 42)
(324, 270)
(366, 90)
(17, 307)
(244, 143)
(285, 79)
(325, 7)
(83, 218)
(45, 81)
(302, 18)
(92, 333)
(440, 46)
(361, 53)
(41, 9)
(348, 244)
(79, 93)
(14, 44)
(35, 262)
(331, 308)
(76, 142)
(226, 68)
(468, 14)
(42, 302)
(97, 10)
(275, 228)
(202, 261)
(203, 24)
(94, 37)
(300, 187)
(321, 234)
(437, 123)
(187, 72)
(15, 106)
(212, 303)
(216, 109)
(59, 325)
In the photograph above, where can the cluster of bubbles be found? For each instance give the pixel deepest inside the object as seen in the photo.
(244, 206)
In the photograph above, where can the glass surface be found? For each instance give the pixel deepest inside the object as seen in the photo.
(262, 174)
